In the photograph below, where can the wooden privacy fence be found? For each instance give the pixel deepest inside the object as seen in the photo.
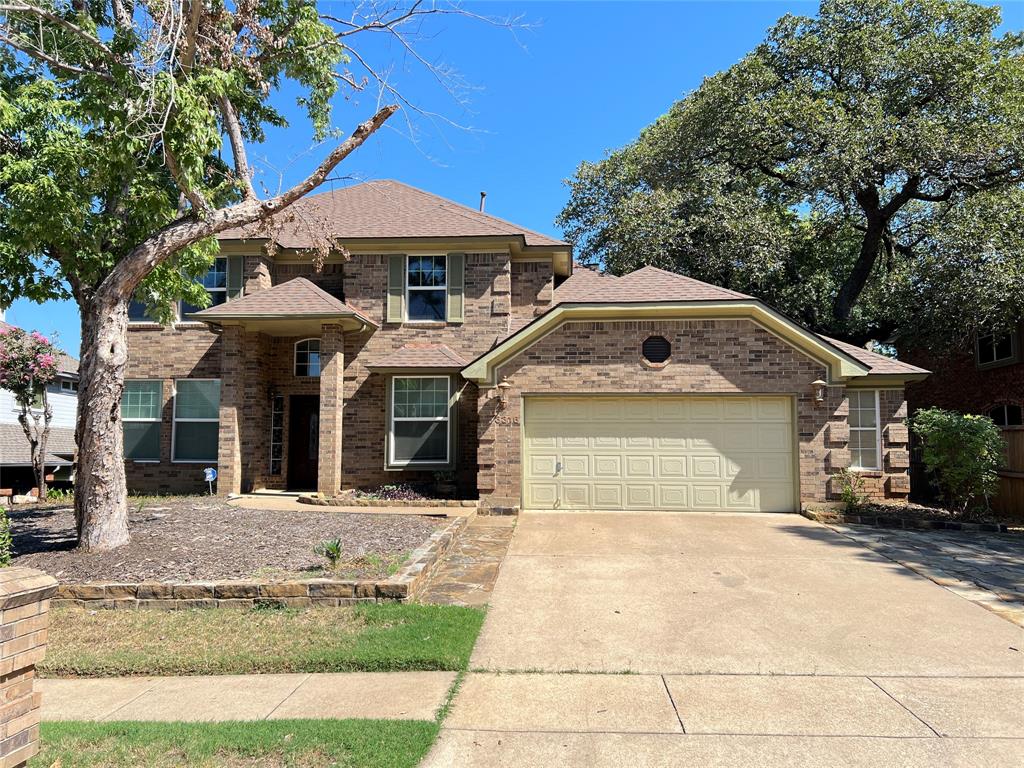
(1010, 500)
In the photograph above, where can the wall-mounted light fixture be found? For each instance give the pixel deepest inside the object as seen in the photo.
(819, 389)
(501, 392)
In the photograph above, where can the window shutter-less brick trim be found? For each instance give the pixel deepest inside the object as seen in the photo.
(396, 288)
(456, 287)
(235, 276)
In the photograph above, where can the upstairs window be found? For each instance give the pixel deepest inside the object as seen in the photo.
(215, 281)
(66, 385)
(1007, 415)
(307, 358)
(994, 348)
(139, 313)
(427, 288)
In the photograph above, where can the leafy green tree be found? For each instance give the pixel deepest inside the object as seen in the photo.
(113, 117)
(963, 454)
(858, 168)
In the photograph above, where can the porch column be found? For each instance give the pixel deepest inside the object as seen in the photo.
(332, 381)
(242, 432)
(229, 457)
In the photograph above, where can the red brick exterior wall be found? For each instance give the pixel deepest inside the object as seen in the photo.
(956, 382)
(265, 365)
(708, 356)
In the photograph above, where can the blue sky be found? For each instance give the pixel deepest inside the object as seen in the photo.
(584, 78)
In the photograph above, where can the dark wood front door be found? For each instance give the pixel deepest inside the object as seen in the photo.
(303, 442)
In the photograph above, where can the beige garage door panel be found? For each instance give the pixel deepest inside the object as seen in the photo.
(659, 453)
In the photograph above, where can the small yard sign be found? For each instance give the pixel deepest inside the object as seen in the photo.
(209, 475)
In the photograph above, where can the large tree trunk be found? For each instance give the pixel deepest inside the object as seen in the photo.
(853, 286)
(101, 494)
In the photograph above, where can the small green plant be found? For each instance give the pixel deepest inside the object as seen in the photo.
(851, 490)
(6, 542)
(65, 495)
(331, 550)
(962, 453)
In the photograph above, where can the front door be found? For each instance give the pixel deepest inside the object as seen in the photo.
(303, 442)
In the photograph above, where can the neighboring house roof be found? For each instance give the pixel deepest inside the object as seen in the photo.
(386, 209)
(14, 450)
(420, 356)
(66, 364)
(879, 364)
(295, 298)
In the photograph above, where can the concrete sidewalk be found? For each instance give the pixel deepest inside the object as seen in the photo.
(366, 695)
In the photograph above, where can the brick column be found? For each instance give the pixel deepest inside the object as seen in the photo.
(232, 388)
(24, 605)
(332, 380)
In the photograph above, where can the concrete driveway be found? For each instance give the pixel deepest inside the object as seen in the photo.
(747, 639)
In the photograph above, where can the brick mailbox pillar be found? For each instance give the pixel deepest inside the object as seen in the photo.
(24, 605)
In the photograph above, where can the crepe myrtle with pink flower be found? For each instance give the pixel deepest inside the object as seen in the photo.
(28, 364)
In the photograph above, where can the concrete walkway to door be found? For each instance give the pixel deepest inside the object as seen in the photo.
(749, 640)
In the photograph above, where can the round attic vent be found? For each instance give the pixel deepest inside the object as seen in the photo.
(656, 349)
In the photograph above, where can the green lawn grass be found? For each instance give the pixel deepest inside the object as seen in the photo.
(367, 637)
(264, 744)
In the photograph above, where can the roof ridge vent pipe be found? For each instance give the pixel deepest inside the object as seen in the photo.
(483, 198)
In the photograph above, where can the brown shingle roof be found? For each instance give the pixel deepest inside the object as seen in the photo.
(386, 209)
(651, 284)
(644, 285)
(420, 356)
(879, 364)
(66, 363)
(297, 297)
(14, 451)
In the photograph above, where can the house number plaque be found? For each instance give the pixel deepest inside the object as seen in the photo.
(507, 421)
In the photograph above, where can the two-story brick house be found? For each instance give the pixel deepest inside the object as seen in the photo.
(441, 339)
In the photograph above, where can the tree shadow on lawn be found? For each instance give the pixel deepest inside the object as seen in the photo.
(41, 530)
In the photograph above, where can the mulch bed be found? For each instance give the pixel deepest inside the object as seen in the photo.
(203, 539)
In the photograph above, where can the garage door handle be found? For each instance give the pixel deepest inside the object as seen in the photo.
(558, 467)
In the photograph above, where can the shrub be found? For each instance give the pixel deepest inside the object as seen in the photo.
(394, 492)
(332, 550)
(962, 453)
(6, 543)
(851, 487)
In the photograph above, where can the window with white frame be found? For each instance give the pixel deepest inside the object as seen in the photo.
(426, 288)
(995, 348)
(138, 312)
(141, 404)
(419, 431)
(864, 434)
(67, 385)
(307, 357)
(215, 281)
(196, 420)
(1008, 415)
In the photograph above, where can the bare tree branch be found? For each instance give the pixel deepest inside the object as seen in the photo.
(52, 62)
(234, 131)
(74, 29)
(130, 271)
(199, 203)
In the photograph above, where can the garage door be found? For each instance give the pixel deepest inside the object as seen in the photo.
(659, 453)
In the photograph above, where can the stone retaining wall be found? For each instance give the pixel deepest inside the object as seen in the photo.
(404, 585)
(348, 501)
(895, 521)
(24, 620)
